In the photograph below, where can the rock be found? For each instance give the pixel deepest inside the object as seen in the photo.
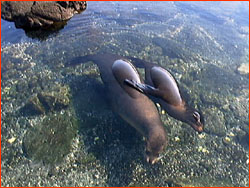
(50, 140)
(33, 106)
(11, 140)
(227, 140)
(215, 122)
(243, 68)
(242, 137)
(54, 100)
(35, 14)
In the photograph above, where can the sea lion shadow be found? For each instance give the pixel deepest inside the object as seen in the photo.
(105, 135)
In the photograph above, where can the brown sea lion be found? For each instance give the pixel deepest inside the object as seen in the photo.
(164, 88)
(133, 106)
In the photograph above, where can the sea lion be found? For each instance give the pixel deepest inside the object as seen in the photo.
(163, 89)
(132, 106)
(162, 85)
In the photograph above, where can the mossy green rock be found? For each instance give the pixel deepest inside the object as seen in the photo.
(54, 100)
(215, 122)
(51, 140)
(33, 106)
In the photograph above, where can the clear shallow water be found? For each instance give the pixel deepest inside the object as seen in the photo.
(202, 44)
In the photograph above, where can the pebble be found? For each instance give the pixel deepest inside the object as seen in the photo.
(163, 112)
(177, 139)
(227, 139)
(11, 140)
(202, 149)
(231, 134)
(158, 105)
(202, 135)
(243, 68)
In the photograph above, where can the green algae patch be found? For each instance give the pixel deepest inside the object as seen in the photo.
(50, 141)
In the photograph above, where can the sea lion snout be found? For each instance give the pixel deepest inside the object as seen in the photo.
(197, 122)
(155, 146)
(198, 128)
(152, 159)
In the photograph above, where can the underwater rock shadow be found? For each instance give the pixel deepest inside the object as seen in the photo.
(110, 139)
(43, 34)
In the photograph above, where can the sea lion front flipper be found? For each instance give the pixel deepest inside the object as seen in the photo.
(143, 88)
(135, 85)
(122, 70)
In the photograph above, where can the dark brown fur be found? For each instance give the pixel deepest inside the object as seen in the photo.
(133, 106)
(164, 88)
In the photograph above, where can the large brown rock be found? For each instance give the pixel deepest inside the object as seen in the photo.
(35, 14)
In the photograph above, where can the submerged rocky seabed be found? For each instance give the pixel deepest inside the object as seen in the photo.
(58, 130)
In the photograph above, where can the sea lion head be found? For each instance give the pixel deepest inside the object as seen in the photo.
(196, 120)
(154, 147)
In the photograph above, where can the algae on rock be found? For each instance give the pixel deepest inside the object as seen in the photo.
(50, 140)
(42, 102)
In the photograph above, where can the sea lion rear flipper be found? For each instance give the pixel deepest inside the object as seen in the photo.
(143, 88)
(80, 60)
(139, 63)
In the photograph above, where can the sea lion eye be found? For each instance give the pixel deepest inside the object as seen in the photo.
(196, 116)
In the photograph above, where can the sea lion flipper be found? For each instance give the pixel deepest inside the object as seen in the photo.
(143, 88)
(139, 63)
(80, 60)
(122, 70)
(135, 85)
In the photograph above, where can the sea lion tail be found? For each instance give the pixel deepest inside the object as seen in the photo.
(80, 59)
(139, 63)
